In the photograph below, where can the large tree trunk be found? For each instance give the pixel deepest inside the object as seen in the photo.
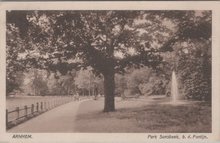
(109, 88)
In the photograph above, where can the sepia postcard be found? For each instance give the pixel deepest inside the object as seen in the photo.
(135, 71)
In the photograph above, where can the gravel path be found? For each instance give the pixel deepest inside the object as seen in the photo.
(60, 119)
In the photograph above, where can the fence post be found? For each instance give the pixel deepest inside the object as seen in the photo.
(17, 109)
(26, 112)
(45, 106)
(6, 118)
(32, 109)
(37, 106)
(41, 106)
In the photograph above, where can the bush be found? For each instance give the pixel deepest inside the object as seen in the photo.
(195, 73)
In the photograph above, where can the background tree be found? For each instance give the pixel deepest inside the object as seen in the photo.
(86, 80)
(194, 68)
(14, 67)
(136, 78)
(38, 84)
(193, 55)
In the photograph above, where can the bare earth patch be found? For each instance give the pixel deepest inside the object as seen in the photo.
(144, 116)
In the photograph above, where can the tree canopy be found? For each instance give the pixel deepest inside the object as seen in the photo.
(108, 42)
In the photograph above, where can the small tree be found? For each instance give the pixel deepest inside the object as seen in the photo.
(38, 84)
(85, 79)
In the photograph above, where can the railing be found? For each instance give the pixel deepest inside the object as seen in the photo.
(21, 114)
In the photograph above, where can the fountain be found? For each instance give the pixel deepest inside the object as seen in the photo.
(176, 98)
(174, 88)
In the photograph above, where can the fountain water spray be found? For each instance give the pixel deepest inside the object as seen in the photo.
(174, 88)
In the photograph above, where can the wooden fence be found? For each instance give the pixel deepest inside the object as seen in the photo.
(21, 114)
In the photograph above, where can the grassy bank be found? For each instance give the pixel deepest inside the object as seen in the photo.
(144, 116)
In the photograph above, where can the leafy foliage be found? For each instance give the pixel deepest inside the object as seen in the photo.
(110, 42)
(13, 64)
(85, 79)
(38, 84)
(195, 70)
(92, 38)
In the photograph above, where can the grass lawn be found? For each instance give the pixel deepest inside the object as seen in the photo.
(144, 116)
(21, 101)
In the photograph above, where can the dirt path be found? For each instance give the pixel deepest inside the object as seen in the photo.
(60, 119)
